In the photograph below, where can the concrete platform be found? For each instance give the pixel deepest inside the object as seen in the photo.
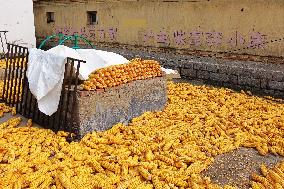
(100, 110)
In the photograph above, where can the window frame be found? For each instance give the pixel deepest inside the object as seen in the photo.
(50, 17)
(90, 17)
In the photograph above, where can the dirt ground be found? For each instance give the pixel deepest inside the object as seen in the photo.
(234, 168)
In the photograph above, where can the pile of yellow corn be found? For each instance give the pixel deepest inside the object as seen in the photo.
(2, 64)
(165, 149)
(272, 178)
(111, 76)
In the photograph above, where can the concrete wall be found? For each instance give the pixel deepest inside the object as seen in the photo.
(17, 17)
(241, 26)
(101, 109)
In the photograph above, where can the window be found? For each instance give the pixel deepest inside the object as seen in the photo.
(50, 17)
(92, 17)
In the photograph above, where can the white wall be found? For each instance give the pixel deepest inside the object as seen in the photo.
(17, 17)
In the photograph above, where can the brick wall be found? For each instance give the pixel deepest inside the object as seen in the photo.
(261, 78)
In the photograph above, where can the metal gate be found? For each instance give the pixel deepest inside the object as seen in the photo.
(16, 91)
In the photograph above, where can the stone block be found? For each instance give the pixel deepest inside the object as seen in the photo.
(232, 86)
(228, 69)
(278, 93)
(264, 83)
(249, 81)
(212, 67)
(233, 79)
(276, 85)
(191, 73)
(269, 92)
(187, 64)
(219, 77)
(199, 66)
(277, 76)
(203, 74)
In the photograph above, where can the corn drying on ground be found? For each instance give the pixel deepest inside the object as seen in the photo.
(237, 166)
(12, 96)
(166, 149)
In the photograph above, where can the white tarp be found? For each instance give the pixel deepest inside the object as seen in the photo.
(45, 74)
(45, 71)
(95, 59)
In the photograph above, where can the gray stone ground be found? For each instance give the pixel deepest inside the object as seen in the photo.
(234, 168)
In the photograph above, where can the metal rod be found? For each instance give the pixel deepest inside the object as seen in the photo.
(51, 122)
(38, 114)
(21, 81)
(35, 108)
(5, 75)
(68, 91)
(15, 100)
(9, 75)
(25, 86)
(13, 65)
(75, 92)
(62, 97)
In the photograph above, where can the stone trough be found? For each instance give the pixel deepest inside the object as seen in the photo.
(100, 110)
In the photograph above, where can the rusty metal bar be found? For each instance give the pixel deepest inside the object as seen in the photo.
(6, 74)
(62, 99)
(38, 115)
(69, 83)
(47, 121)
(72, 108)
(13, 67)
(21, 81)
(25, 87)
(9, 75)
(17, 79)
(35, 108)
(44, 117)
(25, 95)
(51, 122)
(30, 104)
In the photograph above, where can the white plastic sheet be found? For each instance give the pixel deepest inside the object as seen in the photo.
(169, 71)
(95, 59)
(45, 75)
